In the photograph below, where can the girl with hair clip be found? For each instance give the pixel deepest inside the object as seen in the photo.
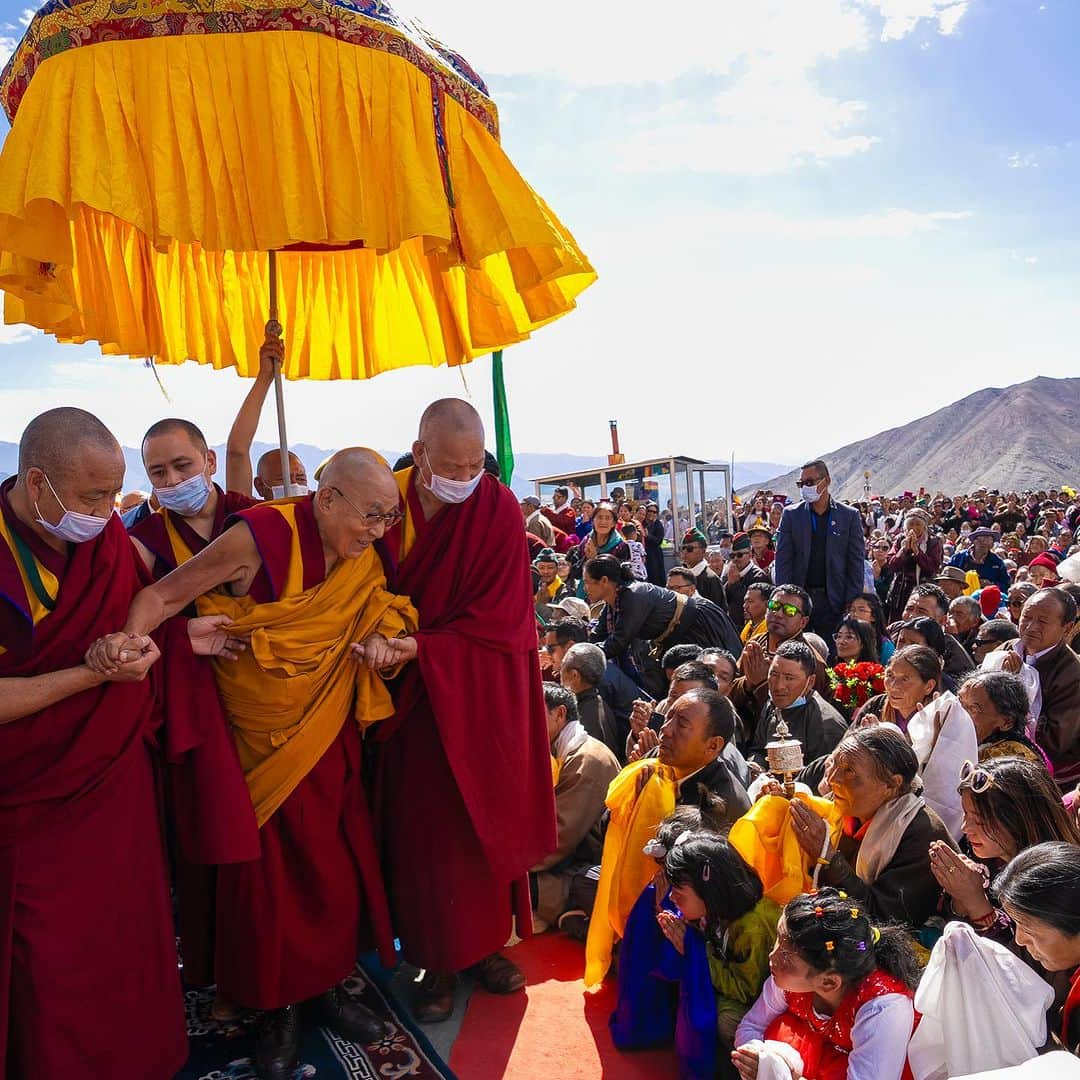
(694, 959)
(840, 994)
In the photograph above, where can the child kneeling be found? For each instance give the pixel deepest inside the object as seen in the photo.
(694, 960)
(840, 994)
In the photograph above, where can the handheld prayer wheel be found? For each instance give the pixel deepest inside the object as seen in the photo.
(785, 757)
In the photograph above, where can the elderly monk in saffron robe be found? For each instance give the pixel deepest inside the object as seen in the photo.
(88, 979)
(301, 579)
(464, 801)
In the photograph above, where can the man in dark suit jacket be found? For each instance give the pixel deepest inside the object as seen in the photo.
(820, 545)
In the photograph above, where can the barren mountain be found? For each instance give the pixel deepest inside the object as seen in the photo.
(1022, 436)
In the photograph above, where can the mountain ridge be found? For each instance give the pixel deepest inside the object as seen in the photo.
(1010, 438)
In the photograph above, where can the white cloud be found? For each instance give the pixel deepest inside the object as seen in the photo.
(766, 123)
(903, 16)
(14, 335)
(7, 47)
(892, 224)
(27, 16)
(608, 42)
(1023, 161)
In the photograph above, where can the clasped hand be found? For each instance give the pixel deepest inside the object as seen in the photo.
(379, 653)
(123, 657)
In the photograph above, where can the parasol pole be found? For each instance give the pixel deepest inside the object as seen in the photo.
(274, 327)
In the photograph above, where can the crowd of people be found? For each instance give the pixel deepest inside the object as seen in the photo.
(782, 920)
(776, 780)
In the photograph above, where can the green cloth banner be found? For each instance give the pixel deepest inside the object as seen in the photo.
(504, 450)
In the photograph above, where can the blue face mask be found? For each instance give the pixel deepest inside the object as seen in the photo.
(186, 498)
(800, 700)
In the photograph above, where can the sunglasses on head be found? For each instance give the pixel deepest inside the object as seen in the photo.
(790, 610)
(975, 777)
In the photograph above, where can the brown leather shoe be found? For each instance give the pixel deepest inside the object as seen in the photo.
(434, 1001)
(498, 975)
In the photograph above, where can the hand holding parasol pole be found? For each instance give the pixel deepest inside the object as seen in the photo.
(273, 329)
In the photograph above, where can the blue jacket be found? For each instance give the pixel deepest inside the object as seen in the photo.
(845, 552)
(992, 570)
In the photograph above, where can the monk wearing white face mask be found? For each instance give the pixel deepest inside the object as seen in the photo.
(463, 798)
(192, 508)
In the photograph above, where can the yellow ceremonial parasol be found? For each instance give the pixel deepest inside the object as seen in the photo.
(172, 164)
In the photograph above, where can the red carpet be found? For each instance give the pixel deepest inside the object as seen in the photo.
(555, 1030)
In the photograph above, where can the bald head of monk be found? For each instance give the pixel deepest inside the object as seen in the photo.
(268, 476)
(356, 502)
(449, 450)
(69, 464)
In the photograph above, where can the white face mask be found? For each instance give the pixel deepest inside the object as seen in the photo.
(810, 493)
(73, 527)
(451, 491)
(277, 491)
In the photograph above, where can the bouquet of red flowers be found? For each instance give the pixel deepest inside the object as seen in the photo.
(854, 684)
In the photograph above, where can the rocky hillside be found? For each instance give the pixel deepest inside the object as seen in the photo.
(1023, 436)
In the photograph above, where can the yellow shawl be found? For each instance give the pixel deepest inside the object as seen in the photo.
(296, 684)
(765, 837)
(624, 869)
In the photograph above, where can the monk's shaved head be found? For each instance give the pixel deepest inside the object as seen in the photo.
(357, 467)
(450, 416)
(174, 426)
(54, 440)
(356, 492)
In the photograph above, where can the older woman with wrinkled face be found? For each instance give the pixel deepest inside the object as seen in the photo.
(882, 854)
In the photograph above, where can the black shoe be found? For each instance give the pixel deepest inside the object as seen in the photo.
(277, 1044)
(348, 1018)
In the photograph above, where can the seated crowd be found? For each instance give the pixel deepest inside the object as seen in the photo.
(919, 654)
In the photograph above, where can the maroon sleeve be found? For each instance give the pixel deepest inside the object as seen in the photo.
(207, 795)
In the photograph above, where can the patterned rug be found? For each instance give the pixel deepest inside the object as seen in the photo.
(222, 1050)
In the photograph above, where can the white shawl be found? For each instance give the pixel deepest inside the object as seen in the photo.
(982, 1008)
(883, 836)
(943, 737)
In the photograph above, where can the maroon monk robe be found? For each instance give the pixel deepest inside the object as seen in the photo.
(291, 924)
(154, 536)
(88, 981)
(464, 802)
(194, 877)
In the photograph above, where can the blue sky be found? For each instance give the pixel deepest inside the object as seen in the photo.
(812, 219)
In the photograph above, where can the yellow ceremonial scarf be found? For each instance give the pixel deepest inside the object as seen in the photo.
(408, 526)
(295, 685)
(765, 837)
(625, 869)
(39, 583)
(750, 630)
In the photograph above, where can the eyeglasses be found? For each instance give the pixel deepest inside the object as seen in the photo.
(790, 610)
(980, 641)
(389, 519)
(975, 777)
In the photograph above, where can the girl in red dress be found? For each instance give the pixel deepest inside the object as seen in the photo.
(840, 993)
